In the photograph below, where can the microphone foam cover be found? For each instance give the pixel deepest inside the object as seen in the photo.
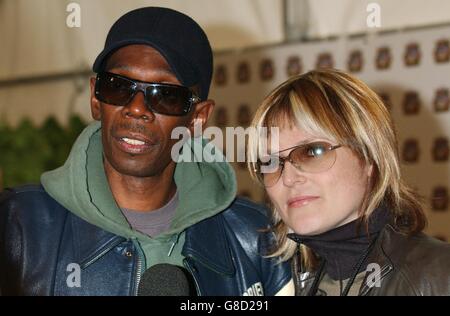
(164, 280)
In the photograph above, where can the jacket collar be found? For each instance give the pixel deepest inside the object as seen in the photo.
(380, 257)
(207, 243)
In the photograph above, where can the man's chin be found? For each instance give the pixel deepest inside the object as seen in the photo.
(142, 170)
(139, 172)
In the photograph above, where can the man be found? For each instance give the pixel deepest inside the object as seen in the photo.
(121, 204)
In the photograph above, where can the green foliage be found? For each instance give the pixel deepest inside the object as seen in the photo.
(27, 151)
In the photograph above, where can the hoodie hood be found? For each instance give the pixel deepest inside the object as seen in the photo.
(80, 185)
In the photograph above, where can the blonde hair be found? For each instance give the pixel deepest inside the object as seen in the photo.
(337, 106)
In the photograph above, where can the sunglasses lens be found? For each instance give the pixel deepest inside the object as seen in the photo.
(113, 90)
(164, 99)
(314, 157)
(270, 171)
(169, 100)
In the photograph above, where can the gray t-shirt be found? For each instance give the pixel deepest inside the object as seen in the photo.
(154, 222)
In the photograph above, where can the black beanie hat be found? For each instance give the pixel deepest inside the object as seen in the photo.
(176, 36)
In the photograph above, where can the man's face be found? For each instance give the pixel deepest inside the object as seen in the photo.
(136, 141)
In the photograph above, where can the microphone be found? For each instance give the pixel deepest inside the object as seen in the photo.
(165, 280)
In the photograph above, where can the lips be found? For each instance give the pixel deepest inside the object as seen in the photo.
(300, 201)
(134, 143)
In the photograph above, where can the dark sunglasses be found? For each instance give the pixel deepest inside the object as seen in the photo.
(313, 157)
(162, 98)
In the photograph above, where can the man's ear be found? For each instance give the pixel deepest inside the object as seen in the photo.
(201, 115)
(95, 104)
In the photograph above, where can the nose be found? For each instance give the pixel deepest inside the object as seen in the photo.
(292, 176)
(137, 108)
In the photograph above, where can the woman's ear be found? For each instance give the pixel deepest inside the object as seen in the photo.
(95, 104)
(370, 170)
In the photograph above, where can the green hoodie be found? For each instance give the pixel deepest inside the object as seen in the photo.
(80, 185)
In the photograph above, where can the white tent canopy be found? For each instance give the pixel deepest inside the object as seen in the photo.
(36, 41)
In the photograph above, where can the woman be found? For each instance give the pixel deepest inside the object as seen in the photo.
(340, 208)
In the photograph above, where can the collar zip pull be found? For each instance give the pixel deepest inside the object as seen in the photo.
(174, 241)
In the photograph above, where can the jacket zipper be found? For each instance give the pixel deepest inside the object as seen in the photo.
(140, 261)
(139, 266)
(297, 283)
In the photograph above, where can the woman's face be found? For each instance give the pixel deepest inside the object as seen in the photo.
(313, 203)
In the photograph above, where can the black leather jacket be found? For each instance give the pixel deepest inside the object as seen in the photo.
(414, 266)
(40, 239)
